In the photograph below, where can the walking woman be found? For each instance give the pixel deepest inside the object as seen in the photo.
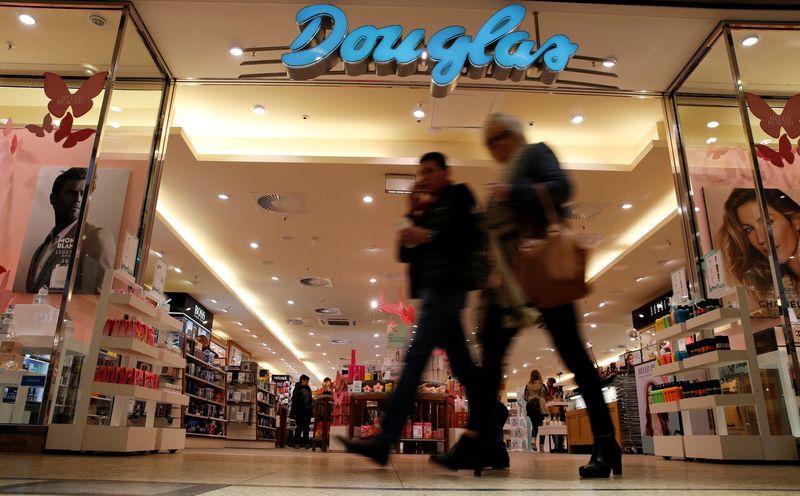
(535, 403)
(514, 203)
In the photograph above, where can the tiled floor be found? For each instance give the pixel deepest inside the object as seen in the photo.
(240, 472)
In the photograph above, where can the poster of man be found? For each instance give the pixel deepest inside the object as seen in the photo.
(50, 233)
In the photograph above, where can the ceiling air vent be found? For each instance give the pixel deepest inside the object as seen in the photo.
(337, 323)
(316, 282)
(280, 203)
(296, 322)
(328, 311)
(583, 210)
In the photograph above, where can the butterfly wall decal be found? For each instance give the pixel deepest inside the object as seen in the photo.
(772, 122)
(45, 128)
(64, 131)
(785, 152)
(61, 98)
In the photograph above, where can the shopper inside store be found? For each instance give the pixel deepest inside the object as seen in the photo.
(257, 248)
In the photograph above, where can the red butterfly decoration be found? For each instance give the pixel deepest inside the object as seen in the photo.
(65, 131)
(777, 157)
(61, 99)
(14, 144)
(771, 122)
(46, 127)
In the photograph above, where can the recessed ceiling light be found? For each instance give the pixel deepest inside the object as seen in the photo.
(247, 330)
(377, 354)
(236, 51)
(587, 314)
(324, 354)
(641, 315)
(238, 323)
(367, 199)
(424, 55)
(576, 119)
(750, 40)
(276, 278)
(525, 365)
(593, 326)
(602, 304)
(264, 344)
(373, 304)
(224, 310)
(27, 19)
(610, 62)
(253, 335)
(310, 333)
(640, 278)
(158, 254)
(372, 280)
(114, 124)
(419, 114)
(291, 302)
(505, 376)
(254, 245)
(626, 206)
(274, 352)
(514, 371)
(259, 109)
(538, 358)
(712, 124)
(377, 346)
(223, 196)
(177, 269)
(212, 300)
(115, 108)
(319, 344)
(376, 335)
(711, 140)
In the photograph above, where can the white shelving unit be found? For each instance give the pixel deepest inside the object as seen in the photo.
(118, 436)
(722, 445)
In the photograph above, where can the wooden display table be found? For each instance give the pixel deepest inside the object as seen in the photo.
(579, 430)
(433, 408)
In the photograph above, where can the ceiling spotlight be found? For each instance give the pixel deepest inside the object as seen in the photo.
(377, 354)
(223, 196)
(291, 302)
(610, 62)
(367, 199)
(377, 346)
(711, 140)
(626, 206)
(373, 304)
(158, 254)
(419, 114)
(576, 119)
(372, 280)
(324, 354)
(505, 376)
(236, 52)
(254, 245)
(264, 344)
(514, 371)
(310, 333)
(319, 344)
(424, 55)
(602, 304)
(275, 278)
(115, 108)
(212, 300)
(238, 323)
(27, 19)
(247, 330)
(750, 40)
(224, 310)
(640, 278)
(587, 314)
(538, 358)
(114, 124)
(593, 326)
(712, 124)
(177, 269)
(376, 335)
(258, 109)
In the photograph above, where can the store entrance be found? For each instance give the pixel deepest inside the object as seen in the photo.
(285, 200)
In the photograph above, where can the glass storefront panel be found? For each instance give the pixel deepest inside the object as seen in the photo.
(53, 71)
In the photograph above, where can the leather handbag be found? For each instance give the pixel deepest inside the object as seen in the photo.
(551, 270)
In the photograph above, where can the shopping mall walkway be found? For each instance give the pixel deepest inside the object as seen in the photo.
(291, 472)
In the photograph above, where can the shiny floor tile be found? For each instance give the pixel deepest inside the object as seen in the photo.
(303, 473)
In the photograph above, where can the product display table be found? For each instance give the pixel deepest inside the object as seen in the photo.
(545, 431)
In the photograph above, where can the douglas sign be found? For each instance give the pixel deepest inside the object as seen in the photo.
(496, 50)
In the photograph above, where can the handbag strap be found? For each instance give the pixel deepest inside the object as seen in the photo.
(547, 203)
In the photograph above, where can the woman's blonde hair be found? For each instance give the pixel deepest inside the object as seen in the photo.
(535, 376)
(744, 261)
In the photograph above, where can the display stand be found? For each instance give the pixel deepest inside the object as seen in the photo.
(722, 445)
(266, 411)
(431, 409)
(251, 407)
(323, 413)
(122, 427)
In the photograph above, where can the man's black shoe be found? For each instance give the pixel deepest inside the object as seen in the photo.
(371, 447)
